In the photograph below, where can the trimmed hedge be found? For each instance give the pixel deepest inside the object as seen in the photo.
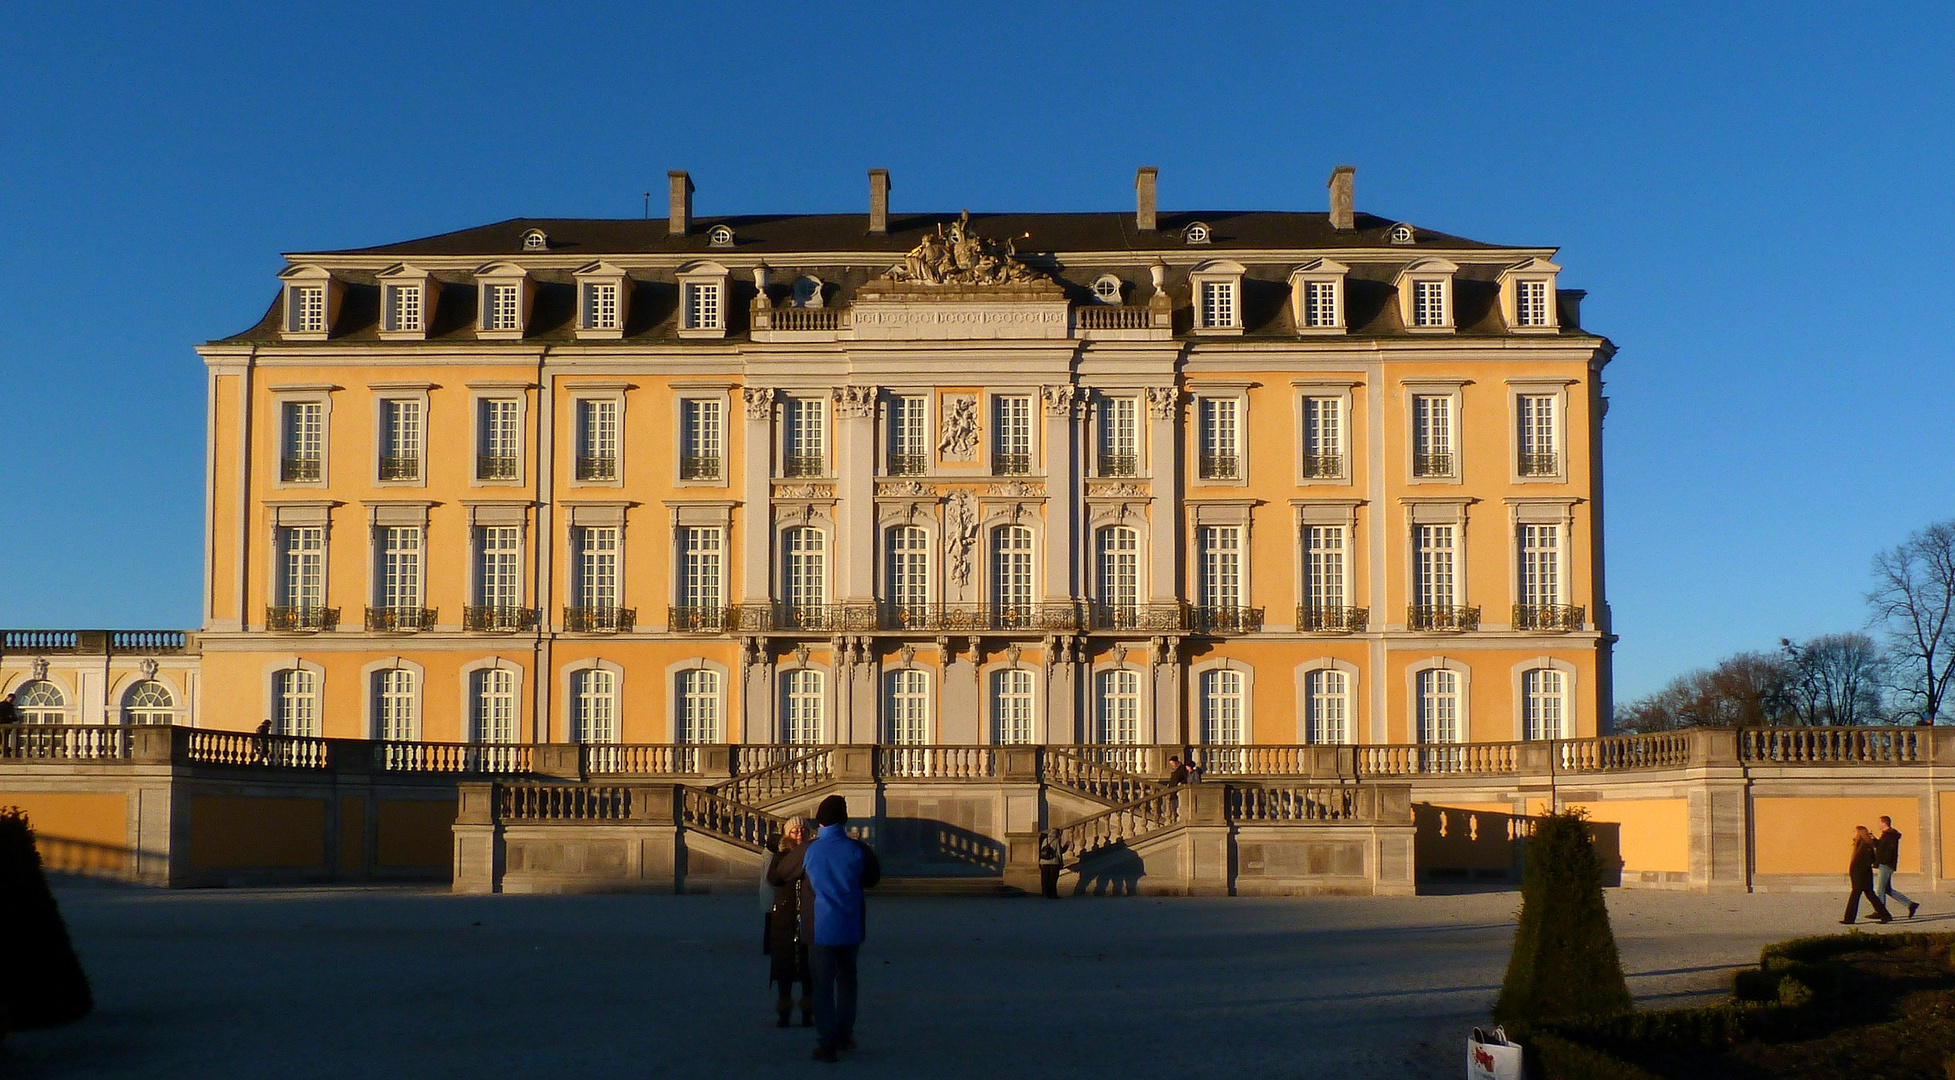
(1564, 964)
(45, 985)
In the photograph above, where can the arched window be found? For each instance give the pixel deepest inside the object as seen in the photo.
(1119, 576)
(1011, 575)
(149, 702)
(908, 587)
(594, 706)
(1543, 697)
(1221, 703)
(1119, 707)
(296, 702)
(41, 702)
(396, 705)
(1326, 704)
(804, 567)
(492, 703)
(1011, 706)
(699, 706)
(801, 707)
(906, 707)
(1438, 706)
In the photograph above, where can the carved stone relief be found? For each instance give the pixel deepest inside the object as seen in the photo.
(760, 401)
(1017, 489)
(960, 534)
(960, 428)
(148, 667)
(39, 668)
(962, 257)
(906, 487)
(1066, 400)
(1116, 491)
(805, 491)
(1164, 401)
(855, 401)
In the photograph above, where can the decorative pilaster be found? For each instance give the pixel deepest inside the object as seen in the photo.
(855, 490)
(1164, 521)
(756, 533)
(1065, 407)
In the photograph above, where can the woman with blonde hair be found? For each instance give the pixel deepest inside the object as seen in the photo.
(787, 941)
(1860, 874)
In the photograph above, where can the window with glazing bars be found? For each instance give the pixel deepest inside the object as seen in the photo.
(298, 703)
(703, 306)
(600, 305)
(700, 549)
(702, 438)
(498, 583)
(1119, 707)
(1120, 436)
(1119, 568)
(594, 699)
(394, 700)
(1323, 437)
(1434, 582)
(1011, 706)
(1221, 718)
(908, 451)
(1320, 303)
(907, 707)
(404, 307)
(1219, 549)
(1429, 303)
(499, 439)
(699, 706)
(1543, 704)
(504, 307)
(597, 567)
(1011, 446)
(805, 569)
(1323, 567)
(597, 439)
(1011, 568)
(801, 714)
(1432, 435)
(302, 580)
(804, 445)
(308, 315)
(1531, 303)
(400, 439)
(909, 567)
(1539, 446)
(1438, 706)
(1540, 564)
(400, 567)
(1326, 707)
(1218, 303)
(1219, 439)
(494, 706)
(304, 437)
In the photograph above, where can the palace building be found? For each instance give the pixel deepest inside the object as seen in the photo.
(1207, 478)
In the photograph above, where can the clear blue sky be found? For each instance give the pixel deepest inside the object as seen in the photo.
(1757, 201)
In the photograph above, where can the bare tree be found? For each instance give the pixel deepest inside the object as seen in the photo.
(1835, 679)
(1914, 600)
(1743, 690)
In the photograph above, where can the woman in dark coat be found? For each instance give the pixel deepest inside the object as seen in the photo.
(787, 943)
(1860, 873)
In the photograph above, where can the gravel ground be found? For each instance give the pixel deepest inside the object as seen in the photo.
(342, 982)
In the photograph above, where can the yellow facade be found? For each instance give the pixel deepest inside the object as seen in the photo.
(1026, 415)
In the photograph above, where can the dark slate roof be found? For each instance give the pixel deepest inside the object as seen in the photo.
(1033, 233)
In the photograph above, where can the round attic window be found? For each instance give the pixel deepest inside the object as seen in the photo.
(720, 236)
(1196, 233)
(1106, 289)
(535, 240)
(1402, 234)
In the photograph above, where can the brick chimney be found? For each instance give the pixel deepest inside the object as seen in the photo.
(1342, 215)
(680, 201)
(1144, 182)
(879, 201)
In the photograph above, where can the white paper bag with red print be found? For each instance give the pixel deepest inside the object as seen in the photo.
(1492, 1057)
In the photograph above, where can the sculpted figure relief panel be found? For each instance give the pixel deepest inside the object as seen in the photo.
(962, 257)
(960, 428)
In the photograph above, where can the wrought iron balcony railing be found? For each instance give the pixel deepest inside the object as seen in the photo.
(301, 618)
(297, 469)
(1146, 617)
(1219, 467)
(599, 620)
(1119, 464)
(1548, 464)
(1432, 464)
(908, 464)
(1446, 617)
(807, 617)
(1011, 464)
(1323, 466)
(1548, 617)
(400, 619)
(803, 465)
(1061, 616)
(697, 618)
(699, 467)
(495, 466)
(597, 467)
(908, 617)
(497, 618)
(1330, 619)
(394, 467)
(1213, 619)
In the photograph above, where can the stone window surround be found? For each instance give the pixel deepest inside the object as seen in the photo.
(70, 696)
(1428, 269)
(1340, 512)
(988, 422)
(1446, 663)
(1569, 697)
(696, 274)
(1118, 514)
(602, 273)
(699, 514)
(684, 390)
(495, 663)
(1353, 698)
(576, 393)
(1434, 386)
(567, 691)
(404, 276)
(1318, 271)
(269, 687)
(1534, 269)
(895, 516)
(1203, 513)
(1223, 271)
(780, 420)
(503, 273)
(777, 709)
(1003, 512)
(932, 696)
(298, 513)
(499, 389)
(988, 700)
(310, 277)
(594, 514)
(384, 392)
(1094, 717)
(1217, 390)
(283, 394)
(123, 683)
(675, 712)
(1102, 394)
(393, 513)
(885, 443)
(1345, 391)
(497, 513)
(1436, 511)
(370, 716)
(818, 515)
(1524, 511)
(1197, 698)
(1538, 385)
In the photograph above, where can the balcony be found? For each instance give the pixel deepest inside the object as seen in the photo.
(400, 468)
(1443, 618)
(301, 619)
(495, 466)
(697, 618)
(1112, 317)
(1540, 464)
(700, 467)
(599, 620)
(809, 617)
(1219, 467)
(1432, 465)
(1011, 464)
(498, 619)
(1223, 619)
(803, 465)
(597, 467)
(1164, 618)
(303, 469)
(908, 464)
(1330, 619)
(1557, 617)
(908, 617)
(789, 318)
(402, 620)
(1323, 466)
(1042, 617)
(1117, 465)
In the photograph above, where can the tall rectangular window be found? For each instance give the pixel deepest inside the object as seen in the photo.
(700, 554)
(1218, 304)
(1221, 705)
(909, 453)
(1119, 573)
(703, 306)
(1540, 568)
(1219, 549)
(403, 308)
(702, 438)
(1531, 303)
(1540, 450)
(699, 706)
(597, 439)
(1119, 707)
(1438, 706)
(1011, 572)
(1320, 304)
(804, 571)
(502, 307)
(1120, 436)
(302, 437)
(298, 703)
(1429, 303)
(308, 314)
(398, 567)
(1323, 571)
(400, 439)
(906, 707)
(1011, 706)
(395, 713)
(302, 563)
(498, 584)
(909, 571)
(594, 706)
(802, 703)
(1544, 704)
(492, 706)
(1011, 428)
(1326, 708)
(1432, 435)
(1323, 437)
(499, 439)
(600, 308)
(1434, 570)
(1219, 435)
(804, 443)
(596, 587)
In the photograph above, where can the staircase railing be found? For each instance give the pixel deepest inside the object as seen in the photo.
(1312, 802)
(811, 768)
(1083, 773)
(1123, 823)
(734, 822)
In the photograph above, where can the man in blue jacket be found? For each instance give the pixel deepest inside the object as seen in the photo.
(839, 867)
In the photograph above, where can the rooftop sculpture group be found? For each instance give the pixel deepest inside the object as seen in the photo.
(962, 257)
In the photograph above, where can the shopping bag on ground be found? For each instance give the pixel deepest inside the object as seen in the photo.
(1489, 1056)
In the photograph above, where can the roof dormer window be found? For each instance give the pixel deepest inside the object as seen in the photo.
(1527, 297)
(311, 301)
(308, 313)
(506, 293)
(407, 300)
(1195, 233)
(1402, 234)
(702, 300)
(603, 300)
(1106, 289)
(720, 236)
(1317, 296)
(1425, 296)
(404, 307)
(1217, 287)
(536, 240)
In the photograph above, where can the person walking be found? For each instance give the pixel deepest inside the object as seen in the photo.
(838, 868)
(790, 923)
(1052, 857)
(1887, 858)
(1860, 873)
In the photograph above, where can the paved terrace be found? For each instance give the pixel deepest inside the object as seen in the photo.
(399, 982)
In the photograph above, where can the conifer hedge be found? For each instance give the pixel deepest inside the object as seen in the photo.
(1565, 964)
(44, 985)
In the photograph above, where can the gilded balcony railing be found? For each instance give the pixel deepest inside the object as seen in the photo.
(495, 466)
(1534, 464)
(1219, 467)
(295, 469)
(908, 464)
(803, 465)
(1118, 465)
(1213, 620)
(1323, 466)
(400, 619)
(304, 618)
(1437, 464)
(597, 467)
(1060, 616)
(599, 620)
(1548, 617)
(1331, 619)
(400, 468)
(697, 618)
(496, 618)
(1144, 617)
(699, 467)
(1011, 464)
(1442, 617)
